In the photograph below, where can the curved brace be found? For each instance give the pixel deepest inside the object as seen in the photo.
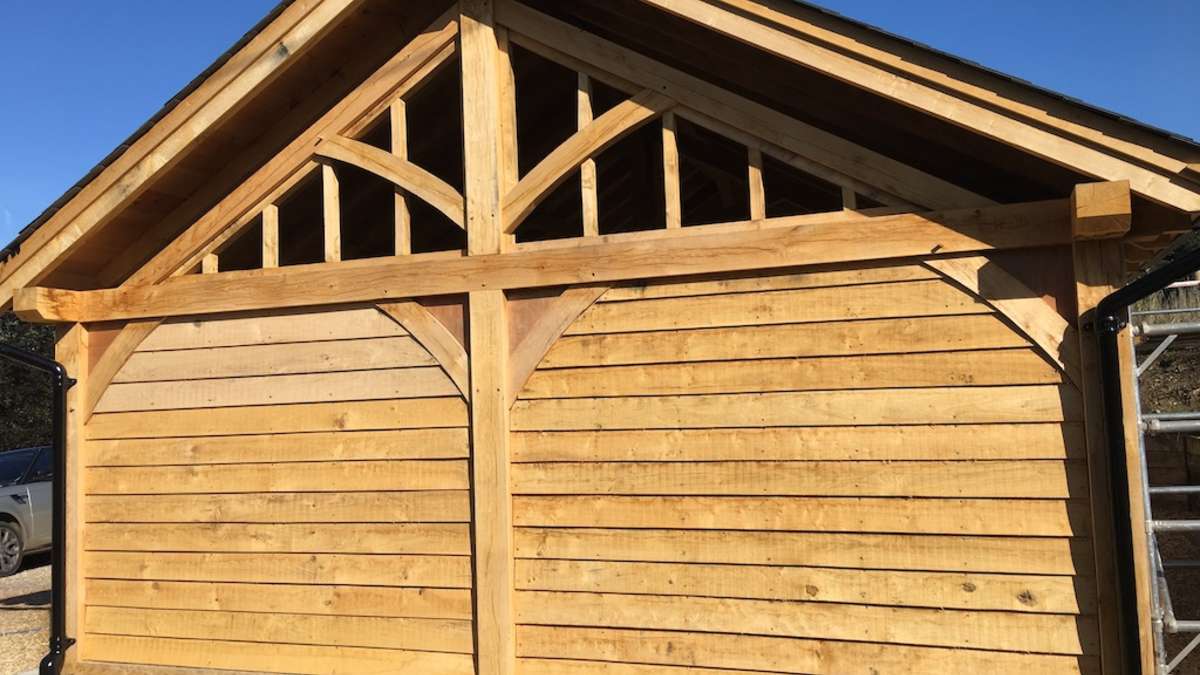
(438, 193)
(122, 347)
(584, 144)
(525, 357)
(1053, 335)
(434, 337)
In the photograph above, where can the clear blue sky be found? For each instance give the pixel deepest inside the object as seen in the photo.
(78, 76)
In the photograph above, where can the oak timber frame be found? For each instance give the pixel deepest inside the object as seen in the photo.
(928, 220)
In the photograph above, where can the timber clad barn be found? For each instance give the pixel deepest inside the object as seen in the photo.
(611, 336)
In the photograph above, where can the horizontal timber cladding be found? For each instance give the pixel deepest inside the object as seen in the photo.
(861, 469)
(280, 491)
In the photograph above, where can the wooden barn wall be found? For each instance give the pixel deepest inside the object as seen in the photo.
(862, 470)
(284, 492)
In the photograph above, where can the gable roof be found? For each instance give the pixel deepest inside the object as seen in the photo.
(294, 26)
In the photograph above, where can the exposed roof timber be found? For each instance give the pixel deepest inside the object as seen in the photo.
(1155, 147)
(603, 59)
(262, 60)
(1159, 183)
(407, 69)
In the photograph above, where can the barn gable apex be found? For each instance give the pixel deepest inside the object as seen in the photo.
(1058, 141)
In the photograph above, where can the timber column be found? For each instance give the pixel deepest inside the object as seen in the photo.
(481, 61)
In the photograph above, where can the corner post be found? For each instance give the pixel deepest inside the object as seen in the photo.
(1101, 213)
(72, 351)
(486, 161)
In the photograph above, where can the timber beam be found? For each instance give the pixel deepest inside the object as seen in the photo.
(767, 244)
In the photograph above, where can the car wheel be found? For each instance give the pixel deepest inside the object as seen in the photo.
(11, 549)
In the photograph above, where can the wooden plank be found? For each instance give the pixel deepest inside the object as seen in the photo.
(1007, 517)
(435, 337)
(1007, 631)
(529, 352)
(1030, 138)
(949, 405)
(839, 338)
(285, 359)
(1012, 593)
(670, 154)
(1019, 555)
(332, 212)
(774, 246)
(287, 581)
(479, 55)
(587, 170)
(754, 177)
(527, 666)
(265, 657)
(959, 442)
(872, 173)
(275, 50)
(278, 389)
(210, 264)
(113, 360)
(997, 478)
(1142, 570)
(408, 538)
(72, 347)
(839, 303)
(434, 635)
(1098, 272)
(308, 447)
(270, 327)
(400, 172)
(1026, 309)
(622, 120)
(413, 474)
(607, 647)
(768, 281)
(491, 484)
(402, 219)
(270, 236)
(986, 367)
(413, 413)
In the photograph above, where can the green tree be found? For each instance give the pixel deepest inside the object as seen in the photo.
(25, 394)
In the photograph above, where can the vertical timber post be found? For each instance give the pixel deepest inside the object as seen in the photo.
(71, 350)
(485, 166)
(1100, 214)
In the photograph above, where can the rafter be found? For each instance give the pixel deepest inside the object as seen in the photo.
(964, 113)
(871, 171)
(402, 173)
(625, 118)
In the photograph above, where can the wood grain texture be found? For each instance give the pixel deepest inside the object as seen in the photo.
(1019, 632)
(545, 649)
(775, 243)
(435, 337)
(923, 442)
(101, 375)
(1018, 555)
(529, 352)
(400, 172)
(1045, 327)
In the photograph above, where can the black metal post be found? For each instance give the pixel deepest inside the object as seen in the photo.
(59, 642)
(1109, 318)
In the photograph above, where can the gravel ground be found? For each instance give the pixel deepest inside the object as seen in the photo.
(25, 616)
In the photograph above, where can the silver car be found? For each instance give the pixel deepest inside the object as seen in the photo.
(25, 505)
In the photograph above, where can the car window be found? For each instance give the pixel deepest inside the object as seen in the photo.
(13, 465)
(43, 467)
